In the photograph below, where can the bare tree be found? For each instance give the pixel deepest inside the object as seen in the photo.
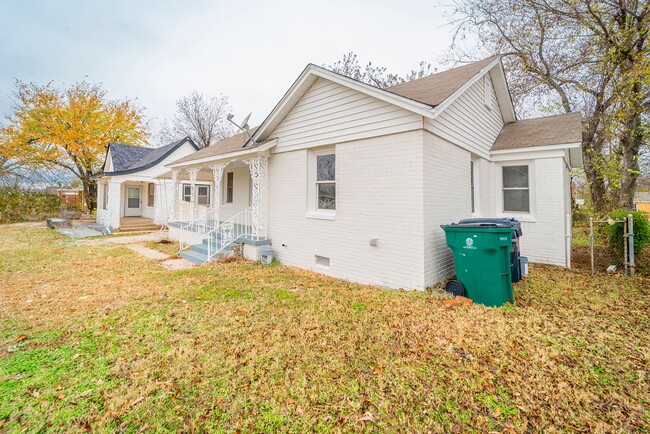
(375, 75)
(575, 55)
(201, 118)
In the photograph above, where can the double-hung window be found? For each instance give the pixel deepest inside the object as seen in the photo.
(230, 187)
(150, 194)
(516, 189)
(326, 182)
(203, 194)
(187, 193)
(105, 196)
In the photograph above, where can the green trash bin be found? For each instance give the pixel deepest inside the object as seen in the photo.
(482, 260)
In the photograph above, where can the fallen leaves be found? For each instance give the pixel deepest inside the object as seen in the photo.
(21, 338)
(238, 356)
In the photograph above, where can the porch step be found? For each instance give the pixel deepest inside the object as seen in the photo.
(137, 224)
(139, 228)
(194, 256)
(198, 253)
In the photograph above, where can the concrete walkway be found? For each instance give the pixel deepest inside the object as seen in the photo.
(132, 242)
(151, 236)
(147, 252)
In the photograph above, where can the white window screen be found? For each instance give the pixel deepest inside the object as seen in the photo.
(516, 191)
(326, 181)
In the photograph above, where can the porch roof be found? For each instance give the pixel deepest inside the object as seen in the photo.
(225, 146)
(228, 149)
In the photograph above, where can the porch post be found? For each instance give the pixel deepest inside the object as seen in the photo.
(258, 167)
(176, 186)
(217, 174)
(193, 174)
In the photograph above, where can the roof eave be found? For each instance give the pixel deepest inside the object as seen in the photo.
(574, 149)
(263, 150)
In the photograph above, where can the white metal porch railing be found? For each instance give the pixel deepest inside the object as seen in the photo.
(201, 220)
(229, 232)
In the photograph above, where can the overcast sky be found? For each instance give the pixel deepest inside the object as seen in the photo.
(158, 51)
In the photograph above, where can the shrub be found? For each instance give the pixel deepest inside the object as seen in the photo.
(641, 231)
(18, 205)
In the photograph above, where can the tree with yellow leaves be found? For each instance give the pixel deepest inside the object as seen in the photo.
(69, 129)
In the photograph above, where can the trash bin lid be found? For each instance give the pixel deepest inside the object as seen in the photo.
(511, 222)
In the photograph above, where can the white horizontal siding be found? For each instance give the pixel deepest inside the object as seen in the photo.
(468, 123)
(329, 113)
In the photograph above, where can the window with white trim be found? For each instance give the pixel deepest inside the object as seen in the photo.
(203, 194)
(326, 182)
(187, 192)
(150, 194)
(105, 196)
(516, 189)
(230, 187)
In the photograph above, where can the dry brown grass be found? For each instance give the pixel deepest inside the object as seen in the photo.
(242, 347)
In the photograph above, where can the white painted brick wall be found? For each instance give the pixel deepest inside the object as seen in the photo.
(447, 199)
(379, 195)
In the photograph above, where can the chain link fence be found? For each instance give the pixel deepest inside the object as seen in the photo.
(603, 245)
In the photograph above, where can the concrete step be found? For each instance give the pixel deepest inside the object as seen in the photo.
(193, 256)
(142, 228)
(203, 248)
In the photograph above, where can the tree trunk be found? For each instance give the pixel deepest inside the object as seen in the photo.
(90, 192)
(631, 144)
(592, 148)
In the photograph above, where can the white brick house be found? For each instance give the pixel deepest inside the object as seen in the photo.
(354, 181)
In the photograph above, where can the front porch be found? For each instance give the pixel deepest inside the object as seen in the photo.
(218, 206)
(132, 203)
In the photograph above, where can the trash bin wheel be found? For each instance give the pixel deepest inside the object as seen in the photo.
(455, 288)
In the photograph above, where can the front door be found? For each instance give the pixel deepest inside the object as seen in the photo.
(133, 202)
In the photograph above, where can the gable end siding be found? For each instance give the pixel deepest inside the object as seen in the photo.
(468, 123)
(329, 113)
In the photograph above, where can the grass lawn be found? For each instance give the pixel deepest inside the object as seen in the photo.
(116, 343)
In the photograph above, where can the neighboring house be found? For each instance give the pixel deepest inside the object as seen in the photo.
(642, 201)
(354, 181)
(128, 192)
(68, 196)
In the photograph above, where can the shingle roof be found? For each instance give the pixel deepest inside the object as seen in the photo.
(129, 158)
(225, 146)
(549, 130)
(434, 89)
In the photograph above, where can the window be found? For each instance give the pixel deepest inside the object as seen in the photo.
(203, 194)
(105, 196)
(326, 182)
(516, 190)
(471, 185)
(230, 186)
(187, 192)
(150, 194)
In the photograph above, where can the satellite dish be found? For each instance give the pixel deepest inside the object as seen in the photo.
(230, 116)
(244, 124)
